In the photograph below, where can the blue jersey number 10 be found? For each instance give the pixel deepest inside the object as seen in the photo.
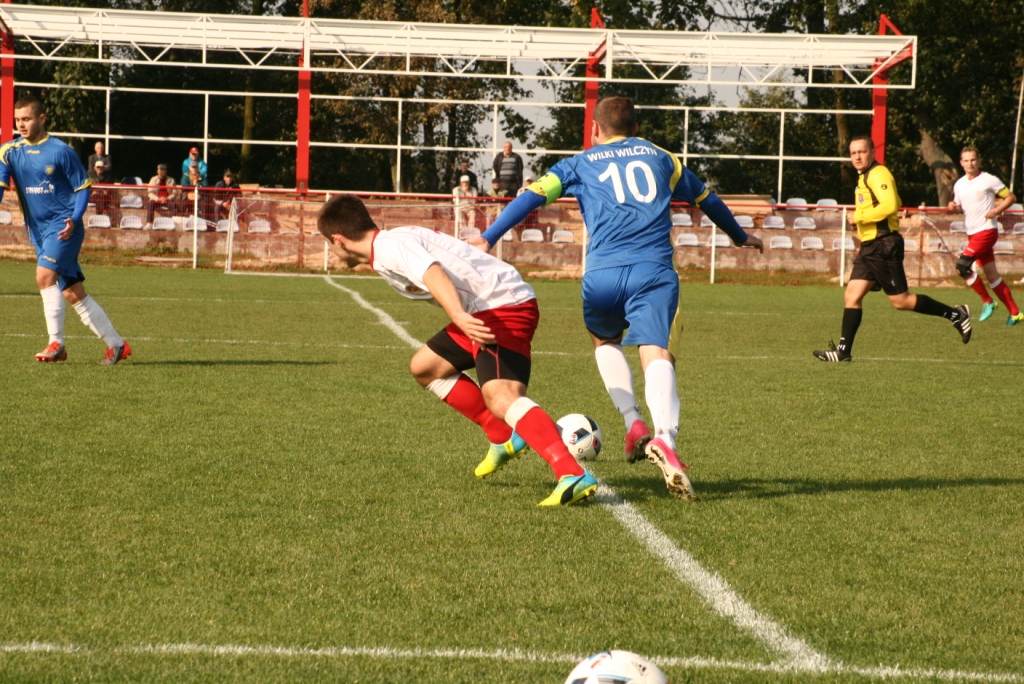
(633, 169)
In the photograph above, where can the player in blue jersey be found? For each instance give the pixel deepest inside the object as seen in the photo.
(53, 189)
(624, 186)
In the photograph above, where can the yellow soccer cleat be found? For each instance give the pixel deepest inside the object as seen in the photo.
(499, 454)
(570, 489)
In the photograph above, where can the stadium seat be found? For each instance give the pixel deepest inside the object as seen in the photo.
(194, 223)
(796, 204)
(706, 222)
(562, 237)
(98, 221)
(687, 240)
(5, 218)
(131, 222)
(812, 243)
(910, 245)
(532, 235)
(259, 225)
(957, 227)
(131, 201)
(1018, 228)
(682, 219)
(847, 244)
(780, 242)
(773, 222)
(1003, 247)
(746, 222)
(468, 233)
(827, 204)
(721, 241)
(804, 223)
(510, 236)
(222, 226)
(163, 223)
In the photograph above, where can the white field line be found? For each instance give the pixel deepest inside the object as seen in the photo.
(502, 655)
(709, 586)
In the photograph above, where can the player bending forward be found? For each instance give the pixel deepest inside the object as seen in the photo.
(54, 190)
(493, 316)
(975, 194)
(624, 186)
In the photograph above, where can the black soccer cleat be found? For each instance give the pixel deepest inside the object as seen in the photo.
(962, 322)
(833, 354)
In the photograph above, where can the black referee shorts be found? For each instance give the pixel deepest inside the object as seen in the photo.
(880, 262)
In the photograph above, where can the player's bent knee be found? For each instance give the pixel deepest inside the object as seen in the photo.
(500, 394)
(963, 266)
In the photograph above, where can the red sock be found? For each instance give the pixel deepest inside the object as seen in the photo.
(1006, 297)
(539, 431)
(979, 287)
(466, 398)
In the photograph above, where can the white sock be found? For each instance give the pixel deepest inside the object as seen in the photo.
(618, 380)
(662, 399)
(95, 318)
(53, 312)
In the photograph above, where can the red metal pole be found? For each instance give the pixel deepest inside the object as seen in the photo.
(590, 88)
(302, 123)
(6, 86)
(880, 93)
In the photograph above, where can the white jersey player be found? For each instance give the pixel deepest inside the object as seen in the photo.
(982, 198)
(493, 316)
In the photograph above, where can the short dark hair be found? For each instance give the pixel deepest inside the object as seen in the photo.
(616, 115)
(866, 138)
(30, 101)
(971, 148)
(344, 215)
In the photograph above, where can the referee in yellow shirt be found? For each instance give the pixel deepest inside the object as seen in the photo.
(879, 263)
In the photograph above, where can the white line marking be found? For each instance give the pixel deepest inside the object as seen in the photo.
(709, 586)
(274, 274)
(503, 655)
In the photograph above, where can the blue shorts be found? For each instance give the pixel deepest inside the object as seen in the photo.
(61, 255)
(642, 297)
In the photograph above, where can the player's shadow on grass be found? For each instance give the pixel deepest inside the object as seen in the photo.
(231, 362)
(775, 488)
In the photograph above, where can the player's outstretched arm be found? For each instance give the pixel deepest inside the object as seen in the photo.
(719, 213)
(441, 288)
(517, 210)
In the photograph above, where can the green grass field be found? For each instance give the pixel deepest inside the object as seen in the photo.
(263, 493)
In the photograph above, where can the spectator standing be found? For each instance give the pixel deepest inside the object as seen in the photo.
(162, 194)
(227, 190)
(463, 170)
(100, 155)
(193, 158)
(508, 169)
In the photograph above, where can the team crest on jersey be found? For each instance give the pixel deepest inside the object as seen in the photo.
(49, 169)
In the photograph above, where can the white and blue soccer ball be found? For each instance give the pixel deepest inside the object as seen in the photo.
(581, 435)
(616, 667)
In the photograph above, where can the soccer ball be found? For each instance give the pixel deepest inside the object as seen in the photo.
(616, 667)
(581, 436)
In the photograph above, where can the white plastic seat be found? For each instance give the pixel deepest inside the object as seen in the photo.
(131, 201)
(1018, 228)
(910, 245)
(5, 218)
(687, 240)
(1003, 247)
(721, 241)
(745, 222)
(562, 237)
(812, 244)
(796, 204)
(131, 222)
(193, 223)
(706, 222)
(98, 221)
(957, 227)
(532, 235)
(804, 223)
(773, 222)
(163, 223)
(847, 244)
(780, 242)
(259, 225)
(510, 236)
(827, 204)
(682, 219)
(468, 233)
(223, 224)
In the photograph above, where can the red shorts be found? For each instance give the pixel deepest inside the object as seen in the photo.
(980, 246)
(512, 327)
